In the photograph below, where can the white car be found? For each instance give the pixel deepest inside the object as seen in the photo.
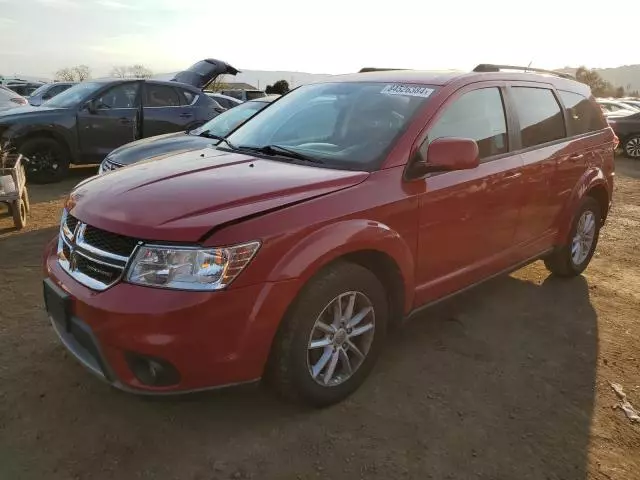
(616, 108)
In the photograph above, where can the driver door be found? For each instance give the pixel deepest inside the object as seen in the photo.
(109, 121)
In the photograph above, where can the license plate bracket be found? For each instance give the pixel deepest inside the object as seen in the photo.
(58, 304)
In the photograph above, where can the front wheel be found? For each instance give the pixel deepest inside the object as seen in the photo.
(331, 339)
(571, 259)
(631, 147)
(47, 160)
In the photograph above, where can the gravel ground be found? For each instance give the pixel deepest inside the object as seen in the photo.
(508, 381)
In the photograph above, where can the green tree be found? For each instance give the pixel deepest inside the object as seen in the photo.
(279, 88)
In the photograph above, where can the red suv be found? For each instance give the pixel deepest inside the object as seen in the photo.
(288, 250)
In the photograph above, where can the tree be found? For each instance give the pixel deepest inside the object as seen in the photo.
(279, 88)
(79, 73)
(120, 72)
(66, 75)
(140, 71)
(619, 92)
(218, 84)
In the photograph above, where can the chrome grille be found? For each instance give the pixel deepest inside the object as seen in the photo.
(108, 166)
(94, 257)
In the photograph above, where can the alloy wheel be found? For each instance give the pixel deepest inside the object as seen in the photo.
(583, 238)
(341, 338)
(632, 147)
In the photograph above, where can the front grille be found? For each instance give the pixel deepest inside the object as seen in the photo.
(108, 166)
(106, 274)
(94, 257)
(109, 242)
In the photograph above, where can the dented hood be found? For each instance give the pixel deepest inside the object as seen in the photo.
(183, 197)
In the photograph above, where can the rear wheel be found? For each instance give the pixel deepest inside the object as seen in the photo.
(631, 147)
(572, 258)
(329, 342)
(47, 160)
(19, 212)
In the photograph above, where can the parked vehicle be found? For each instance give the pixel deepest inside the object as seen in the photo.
(85, 123)
(21, 87)
(287, 251)
(48, 91)
(631, 103)
(243, 95)
(162, 145)
(224, 100)
(627, 129)
(10, 99)
(614, 107)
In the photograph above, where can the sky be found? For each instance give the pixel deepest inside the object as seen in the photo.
(38, 37)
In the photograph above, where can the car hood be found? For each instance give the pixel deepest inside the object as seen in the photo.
(26, 111)
(148, 148)
(182, 197)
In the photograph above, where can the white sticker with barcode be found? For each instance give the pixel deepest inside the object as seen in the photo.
(408, 90)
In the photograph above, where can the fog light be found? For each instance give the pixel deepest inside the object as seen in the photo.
(152, 371)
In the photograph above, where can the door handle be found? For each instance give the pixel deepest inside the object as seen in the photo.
(186, 115)
(577, 156)
(126, 121)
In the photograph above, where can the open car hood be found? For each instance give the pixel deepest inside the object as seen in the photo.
(204, 72)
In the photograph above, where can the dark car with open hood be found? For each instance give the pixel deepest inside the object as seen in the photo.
(89, 120)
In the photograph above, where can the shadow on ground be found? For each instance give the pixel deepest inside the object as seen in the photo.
(495, 384)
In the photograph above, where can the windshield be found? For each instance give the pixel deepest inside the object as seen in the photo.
(345, 125)
(224, 123)
(75, 95)
(41, 89)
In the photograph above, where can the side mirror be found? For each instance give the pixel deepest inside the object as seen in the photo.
(92, 107)
(446, 155)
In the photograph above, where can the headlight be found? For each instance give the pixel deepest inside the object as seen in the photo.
(185, 268)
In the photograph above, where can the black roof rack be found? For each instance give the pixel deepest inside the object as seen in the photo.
(372, 69)
(488, 67)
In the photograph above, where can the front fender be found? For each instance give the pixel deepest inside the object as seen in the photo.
(336, 240)
(592, 178)
(18, 132)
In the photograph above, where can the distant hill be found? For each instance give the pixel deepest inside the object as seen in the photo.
(626, 76)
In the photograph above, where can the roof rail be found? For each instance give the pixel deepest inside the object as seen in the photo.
(372, 69)
(488, 67)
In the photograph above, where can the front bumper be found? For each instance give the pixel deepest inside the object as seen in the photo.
(212, 339)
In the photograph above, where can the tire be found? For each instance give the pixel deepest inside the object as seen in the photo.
(631, 147)
(25, 199)
(47, 160)
(19, 212)
(292, 361)
(565, 261)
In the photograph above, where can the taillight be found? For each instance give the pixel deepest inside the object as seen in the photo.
(19, 101)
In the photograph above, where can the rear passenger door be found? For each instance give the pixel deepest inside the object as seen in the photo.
(468, 218)
(163, 111)
(539, 122)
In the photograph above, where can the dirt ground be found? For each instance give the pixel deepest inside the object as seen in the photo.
(508, 381)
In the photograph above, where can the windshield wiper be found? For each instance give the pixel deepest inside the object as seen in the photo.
(282, 152)
(213, 136)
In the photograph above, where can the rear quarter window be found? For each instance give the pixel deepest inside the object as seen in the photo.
(583, 115)
(540, 116)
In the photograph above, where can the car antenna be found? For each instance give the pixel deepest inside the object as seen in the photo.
(528, 66)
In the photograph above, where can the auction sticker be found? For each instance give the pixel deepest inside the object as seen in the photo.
(408, 90)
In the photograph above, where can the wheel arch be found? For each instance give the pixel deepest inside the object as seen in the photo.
(31, 134)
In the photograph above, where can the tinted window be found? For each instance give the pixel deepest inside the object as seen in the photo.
(120, 96)
(187, 97)
(161, 96)
(234, 93)
(582, 115)
(540, 116)
(478, 115)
